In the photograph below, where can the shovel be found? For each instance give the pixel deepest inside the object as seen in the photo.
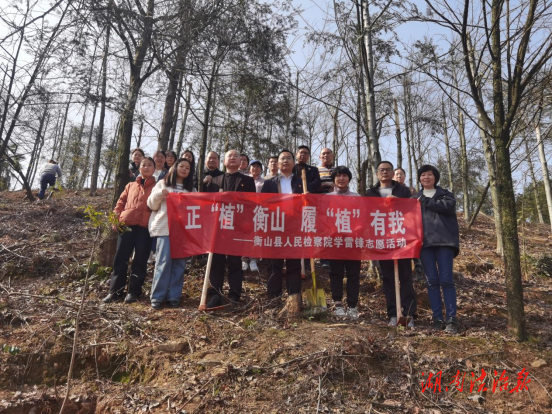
(316, 298)
(203, 301)
(401, 320)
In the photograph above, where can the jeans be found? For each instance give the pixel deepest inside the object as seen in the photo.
(408, 294)
(168, 278)
(138, 240)
(235, 275)
(45, 180)
(437, 262)
(276, 273)
(337, 273)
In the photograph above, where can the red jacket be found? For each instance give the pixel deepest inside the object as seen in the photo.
(132, 207)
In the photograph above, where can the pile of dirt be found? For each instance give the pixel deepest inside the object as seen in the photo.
(131, 358)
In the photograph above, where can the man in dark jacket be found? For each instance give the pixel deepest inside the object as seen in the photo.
(313, 176)
(284, 183)
(211, 168)
(386, 187)
(232, 180)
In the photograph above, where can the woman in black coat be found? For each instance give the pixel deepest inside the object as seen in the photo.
(441, 245)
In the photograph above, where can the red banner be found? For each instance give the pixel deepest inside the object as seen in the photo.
(293, 226)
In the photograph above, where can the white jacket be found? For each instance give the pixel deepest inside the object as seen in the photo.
(158, 223)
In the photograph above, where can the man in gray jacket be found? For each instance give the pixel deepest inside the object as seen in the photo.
(48, 176)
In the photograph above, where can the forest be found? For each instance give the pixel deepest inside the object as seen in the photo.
(465, 86)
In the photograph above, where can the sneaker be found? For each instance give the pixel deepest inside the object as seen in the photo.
(112, 297)
(234, 300)
(451, 326)
(392, 321)
(438, 325)
(214, 302)
(352, 313)
(340, 311)
(325, 264)
(156, 305)
(174, 304)
(411, 323)
(253, 266)
(131, 298)
(245, 266)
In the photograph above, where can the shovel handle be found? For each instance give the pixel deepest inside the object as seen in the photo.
(397, 289)
(304, 179)
(203, 302)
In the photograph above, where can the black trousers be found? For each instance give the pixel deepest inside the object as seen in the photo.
(235, 275)
(337, 273)
(138, 240)
(408, 295)
(276, 273)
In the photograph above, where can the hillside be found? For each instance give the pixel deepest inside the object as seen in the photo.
(131, 358)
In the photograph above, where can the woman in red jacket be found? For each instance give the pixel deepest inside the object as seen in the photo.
(133, 211)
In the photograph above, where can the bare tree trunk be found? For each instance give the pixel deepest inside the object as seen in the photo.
(168, 113)
(127, 117)
(60, 147)
(184, 119)
(176, 110)
(368, 59)
(411, 171)
(447, 147)
(56, 135)
(39, 153)
(398, 133)
(545, 176)
(101, 125)
(206, 120)
(335, 117)
(34, 154)
(86, 160)
(464, 165)
(361, 173)
(534, 182)
(489, 158)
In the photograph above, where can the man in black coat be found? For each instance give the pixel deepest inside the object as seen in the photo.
(211, 168)
(386, 187)
(284, 183)
(232, 180)
(313, 176)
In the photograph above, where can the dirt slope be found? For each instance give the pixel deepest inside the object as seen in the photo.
(133, 359)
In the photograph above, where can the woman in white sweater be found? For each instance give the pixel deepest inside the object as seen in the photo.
(168, 278)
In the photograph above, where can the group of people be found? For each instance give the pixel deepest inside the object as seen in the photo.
(142, 209)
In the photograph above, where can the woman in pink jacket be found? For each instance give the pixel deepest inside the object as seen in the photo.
(133, 212)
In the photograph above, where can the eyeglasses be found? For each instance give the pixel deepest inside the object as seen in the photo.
(381, 170)
(286, 158)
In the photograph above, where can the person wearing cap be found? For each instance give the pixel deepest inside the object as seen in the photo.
(48, 176)
(255, 169)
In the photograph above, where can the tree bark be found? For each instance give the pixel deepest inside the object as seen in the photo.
(398, 133)
(206, 120)
(101, 125)
(368, 59)
(168, 113)
(545, 176)
(176, 111)
(534, 182)
(127, 116)
(447, 147)
(184, 119)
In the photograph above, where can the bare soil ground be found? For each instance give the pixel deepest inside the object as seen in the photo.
(131, 358)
